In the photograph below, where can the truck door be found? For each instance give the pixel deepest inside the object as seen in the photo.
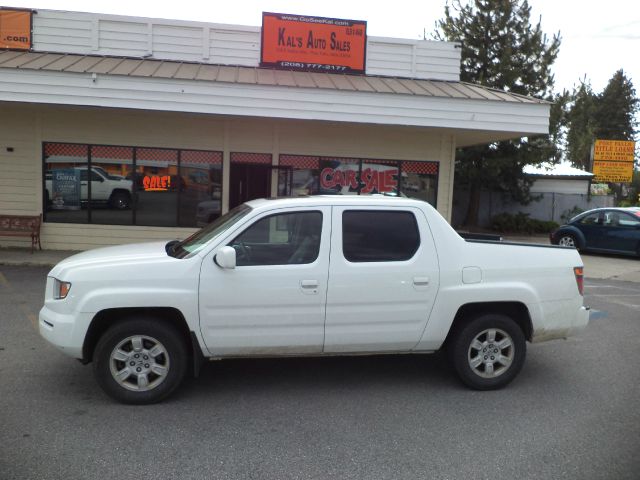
(273, 302)
(383, 279)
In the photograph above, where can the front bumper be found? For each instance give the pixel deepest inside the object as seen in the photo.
(63, 331)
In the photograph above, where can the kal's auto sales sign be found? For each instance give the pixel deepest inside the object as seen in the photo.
(298, 42)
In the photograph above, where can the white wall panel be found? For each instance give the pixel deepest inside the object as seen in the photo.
(271, 101)
(91, 33)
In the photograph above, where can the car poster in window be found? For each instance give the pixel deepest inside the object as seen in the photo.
(342, 176)
(298, 42)
(65, 188)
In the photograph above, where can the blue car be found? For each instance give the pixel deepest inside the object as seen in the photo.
(610, 230)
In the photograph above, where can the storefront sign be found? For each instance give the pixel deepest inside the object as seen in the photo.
(65, 186)
(156, 183)
(15, 29)
(374, 179)
(615, 150)
(297, 42)
(612, 172)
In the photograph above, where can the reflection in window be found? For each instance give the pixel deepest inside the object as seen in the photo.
(303, 178)
(65, 182)
(111, 185)
(201, 199)
(420, 180)
(117, 185)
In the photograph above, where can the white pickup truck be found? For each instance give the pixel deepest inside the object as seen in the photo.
(325, 275)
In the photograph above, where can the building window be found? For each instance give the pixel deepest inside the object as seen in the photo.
(420, 180)
(123, 185)
(312, 175)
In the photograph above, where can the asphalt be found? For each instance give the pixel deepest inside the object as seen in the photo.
(597, 266)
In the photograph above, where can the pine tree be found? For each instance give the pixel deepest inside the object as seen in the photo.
(610, 115)
(616, 109)
(582, 125)
(501, 49)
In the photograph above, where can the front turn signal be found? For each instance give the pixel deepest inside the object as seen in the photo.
(60, 289)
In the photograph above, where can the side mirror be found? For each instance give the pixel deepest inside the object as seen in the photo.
(226, 257)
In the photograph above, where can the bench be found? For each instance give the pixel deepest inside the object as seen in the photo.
(22, 226)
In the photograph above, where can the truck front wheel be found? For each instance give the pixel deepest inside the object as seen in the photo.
(488, 352)
(140, 361)
(120, 200)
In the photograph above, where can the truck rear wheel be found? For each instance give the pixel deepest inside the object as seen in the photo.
(140, 361)
(488, 352)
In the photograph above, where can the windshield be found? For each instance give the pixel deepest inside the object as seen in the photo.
(195, 242)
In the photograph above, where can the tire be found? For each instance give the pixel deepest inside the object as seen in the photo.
(140, 360)
(503, 359)
(120, 200)
(568, 240)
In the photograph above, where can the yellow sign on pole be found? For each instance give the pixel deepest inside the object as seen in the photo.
(613, 161)
(616, 150)
(612, 172)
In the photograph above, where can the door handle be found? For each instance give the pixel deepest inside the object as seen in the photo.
(309, 287)
(420, 281)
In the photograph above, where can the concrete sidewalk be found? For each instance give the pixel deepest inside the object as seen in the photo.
(39, 258)
(613, 267)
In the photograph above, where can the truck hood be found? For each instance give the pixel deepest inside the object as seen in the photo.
(121, 254)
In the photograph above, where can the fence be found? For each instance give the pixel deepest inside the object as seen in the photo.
(558, 207)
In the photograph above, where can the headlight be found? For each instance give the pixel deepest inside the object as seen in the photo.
(60, 289)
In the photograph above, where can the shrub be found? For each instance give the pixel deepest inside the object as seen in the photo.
(521, 223)
(569, 214)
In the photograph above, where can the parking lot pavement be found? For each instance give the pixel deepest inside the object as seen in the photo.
(571, 414)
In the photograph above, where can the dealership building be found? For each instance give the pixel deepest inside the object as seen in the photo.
(122, 129)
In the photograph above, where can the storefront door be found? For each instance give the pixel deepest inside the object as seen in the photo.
(247, 182)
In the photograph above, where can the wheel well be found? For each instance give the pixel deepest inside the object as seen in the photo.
(120, 190)
(106, 318)
(514, 310)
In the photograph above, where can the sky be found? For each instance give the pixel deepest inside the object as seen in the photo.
(597, 38)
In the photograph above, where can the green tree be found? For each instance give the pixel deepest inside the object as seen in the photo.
(501, 49)
(616, 109)
(581, 124)
(610, 115)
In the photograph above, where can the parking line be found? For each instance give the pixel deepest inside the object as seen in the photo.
(33, 319)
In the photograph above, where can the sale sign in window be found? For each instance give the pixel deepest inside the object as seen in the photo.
(298, 42)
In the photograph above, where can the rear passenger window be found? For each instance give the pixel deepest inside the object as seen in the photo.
(379, 235)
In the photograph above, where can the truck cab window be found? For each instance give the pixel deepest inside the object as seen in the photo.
(379, 236)
(282, 239)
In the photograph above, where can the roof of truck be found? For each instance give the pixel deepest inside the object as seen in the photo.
(350, 200)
